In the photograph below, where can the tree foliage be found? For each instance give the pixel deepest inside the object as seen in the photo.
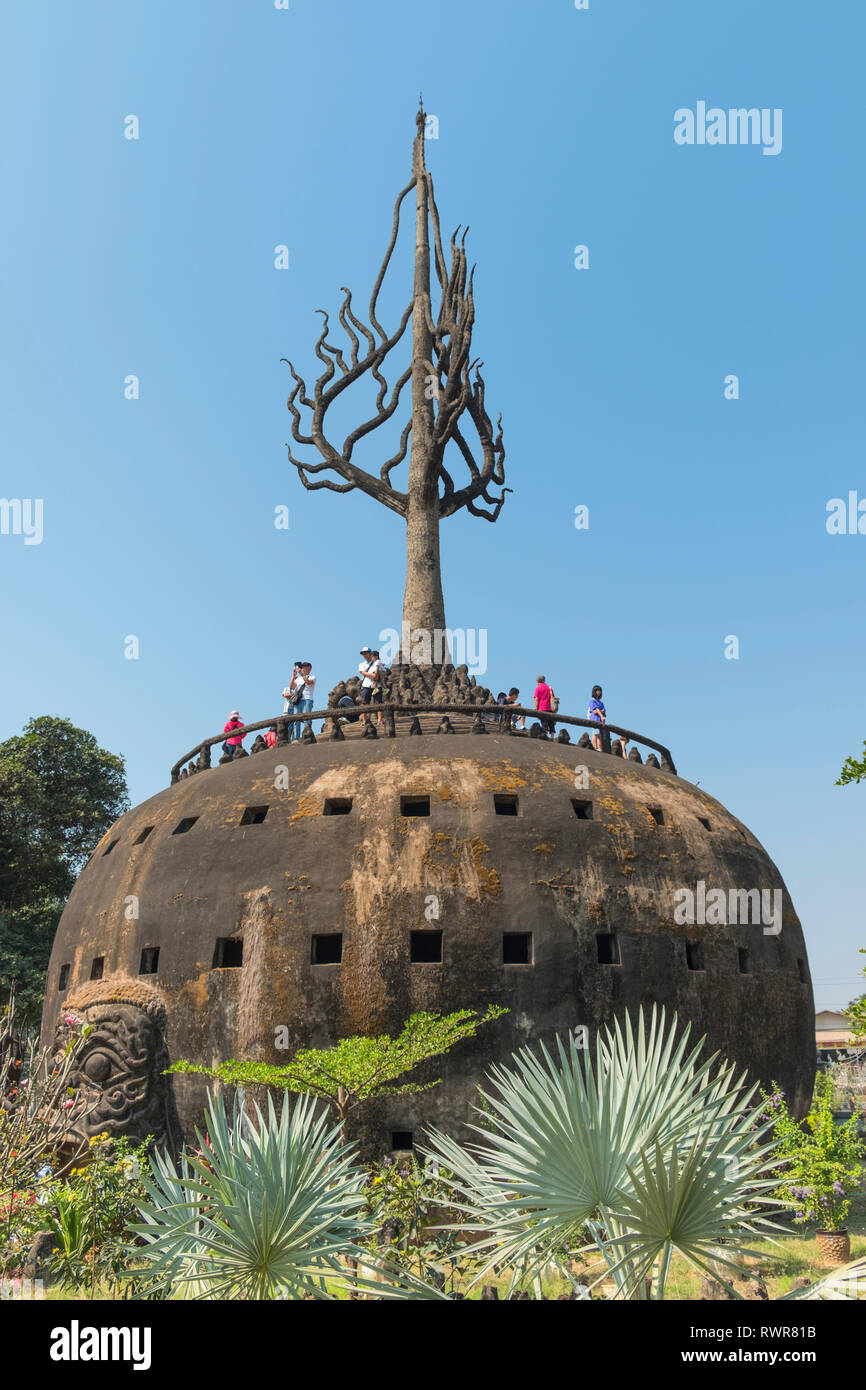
(59, 793)
(853, 770)
(358, 1068)
(856, 1013)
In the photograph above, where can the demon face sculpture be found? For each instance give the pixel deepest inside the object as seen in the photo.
(118, 1080)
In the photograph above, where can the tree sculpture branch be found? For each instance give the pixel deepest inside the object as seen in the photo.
(329, 386)
(454, 379)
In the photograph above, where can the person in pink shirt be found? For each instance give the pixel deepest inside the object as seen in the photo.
(234, 722)
(544, 697)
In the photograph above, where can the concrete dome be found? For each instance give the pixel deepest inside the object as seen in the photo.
(555, 900)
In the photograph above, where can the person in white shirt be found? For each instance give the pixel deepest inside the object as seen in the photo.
(306, 681)
(368, 670)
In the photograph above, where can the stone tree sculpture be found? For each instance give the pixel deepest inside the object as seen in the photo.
(447, 388)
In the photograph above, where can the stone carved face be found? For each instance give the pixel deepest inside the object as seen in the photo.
(118, 1073)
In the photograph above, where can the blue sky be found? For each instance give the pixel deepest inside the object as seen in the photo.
(261, 127)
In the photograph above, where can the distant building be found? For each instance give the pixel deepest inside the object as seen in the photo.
(832, 1030)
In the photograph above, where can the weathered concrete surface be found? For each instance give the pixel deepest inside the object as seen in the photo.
(369, 874)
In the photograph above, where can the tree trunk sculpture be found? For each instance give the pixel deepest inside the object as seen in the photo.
(446, 386)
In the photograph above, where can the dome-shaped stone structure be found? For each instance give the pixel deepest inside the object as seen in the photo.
(334, 888)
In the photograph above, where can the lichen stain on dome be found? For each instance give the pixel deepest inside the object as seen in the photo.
(505, 777)
(466, 869)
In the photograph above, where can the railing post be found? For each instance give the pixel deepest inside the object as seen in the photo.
(204, 755)
(605, 739)
(282, 732)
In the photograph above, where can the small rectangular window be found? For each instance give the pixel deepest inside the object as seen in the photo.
(337, 806)
(228, 953)
(327, 949)
(695, 955)
(186, 824)
(254, 815)
(582, 809)
(143, 836)
(97, 967)
(401, 1140)
(414, 805)
(517, 948)
(705, 823)
(607, 947)
(425, 947)
(505, 805)
(802, 971)
(149, 963)
(743, 960)
(657, 814)
(110, 848)
(64, 977)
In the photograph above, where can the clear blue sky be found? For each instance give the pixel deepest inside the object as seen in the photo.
(707, 517)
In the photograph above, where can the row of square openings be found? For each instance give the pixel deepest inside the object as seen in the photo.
(607, 947)
(504, 804)
(425, 948)
(148, 965)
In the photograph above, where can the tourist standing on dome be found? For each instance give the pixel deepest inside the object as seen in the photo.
(307, 683)
(234, 722)
(371, 689)
(597, 714)
(544, 697)
(292, 695)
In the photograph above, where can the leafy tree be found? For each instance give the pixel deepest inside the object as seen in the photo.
(856, 1013)
(26, 936)
(853, 770)
(59, 793)
(357, 1069)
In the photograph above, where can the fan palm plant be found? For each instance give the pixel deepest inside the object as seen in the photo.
(644, 1151)
(271, 1208)
(843, 1284)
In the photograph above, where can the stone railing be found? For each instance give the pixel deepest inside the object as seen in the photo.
(485, 719)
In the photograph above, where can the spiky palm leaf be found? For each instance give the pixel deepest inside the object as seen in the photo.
(271, 1209)
(844, 1284)
(648, 1149)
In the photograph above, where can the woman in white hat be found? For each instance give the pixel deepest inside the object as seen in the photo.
(234, 722)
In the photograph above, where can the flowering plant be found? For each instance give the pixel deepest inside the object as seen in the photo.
(819, 1159)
